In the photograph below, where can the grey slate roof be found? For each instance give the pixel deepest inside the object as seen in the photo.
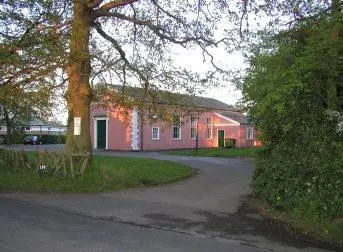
(169, 98)
(236, 116)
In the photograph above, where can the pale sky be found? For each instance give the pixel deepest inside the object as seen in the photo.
(194, 60)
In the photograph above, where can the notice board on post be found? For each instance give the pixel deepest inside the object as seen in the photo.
(77, 126)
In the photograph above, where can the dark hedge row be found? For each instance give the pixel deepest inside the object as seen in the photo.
(46, 139)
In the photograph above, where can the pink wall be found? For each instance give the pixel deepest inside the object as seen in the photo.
(166, 140)
(244, 142)
(119, 132)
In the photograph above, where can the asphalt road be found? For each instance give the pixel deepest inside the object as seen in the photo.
(203, 213)
(30, 227)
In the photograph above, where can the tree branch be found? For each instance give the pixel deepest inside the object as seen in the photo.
(114, 4)
(244, 13)
(121, 52)
(95, 4)
(159, 31)
(167, 12)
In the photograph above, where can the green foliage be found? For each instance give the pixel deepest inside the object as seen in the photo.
(32, 53)
(53, 139)
(288, 89)
(230, 142)
(18, 136)
(291, 182)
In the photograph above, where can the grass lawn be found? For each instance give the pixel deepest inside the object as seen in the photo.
(222, 152)
(106, 174)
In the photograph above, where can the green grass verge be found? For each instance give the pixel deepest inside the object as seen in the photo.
(222, 152)
(106, 174)
(323, 229)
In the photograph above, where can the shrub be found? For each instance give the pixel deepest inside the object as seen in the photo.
(53, 139)
(230, 142)
(292, 180)
(17, 138)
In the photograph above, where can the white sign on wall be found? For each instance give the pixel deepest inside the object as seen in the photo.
(77, 126)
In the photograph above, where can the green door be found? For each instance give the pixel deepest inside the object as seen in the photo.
(220, 138)
(101, 134)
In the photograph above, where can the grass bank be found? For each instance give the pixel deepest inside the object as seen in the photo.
(218, 152)
(323, 230)
(106, 174)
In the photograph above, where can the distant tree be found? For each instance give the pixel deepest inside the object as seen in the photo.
(18, 107)
(32, 48)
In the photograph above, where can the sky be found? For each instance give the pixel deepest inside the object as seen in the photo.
(226, 91)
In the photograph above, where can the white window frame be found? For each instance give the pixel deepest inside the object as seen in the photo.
(152, 133)
(251, 135)
(177, 127)
(194, 122)
(209, 127)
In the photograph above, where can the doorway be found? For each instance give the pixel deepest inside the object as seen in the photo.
(101, 134)
(220, 138)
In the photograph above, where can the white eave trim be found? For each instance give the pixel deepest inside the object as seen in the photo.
(232, 122)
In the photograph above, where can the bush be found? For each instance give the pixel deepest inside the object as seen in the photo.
(53, 139)
(295, 181)
(230, 142)
(17, 138)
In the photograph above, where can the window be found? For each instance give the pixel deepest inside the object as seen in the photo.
(209, 128)
(27, 128)
(194, 122)
(250, 133)
(155, 133)
(177, 127)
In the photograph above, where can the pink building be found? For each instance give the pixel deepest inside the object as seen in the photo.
(110, 129)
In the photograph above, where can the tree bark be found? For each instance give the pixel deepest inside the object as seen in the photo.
(79, 94)
(8, 126)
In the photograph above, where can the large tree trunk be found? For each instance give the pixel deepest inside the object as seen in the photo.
(8, 126)
(79, 93)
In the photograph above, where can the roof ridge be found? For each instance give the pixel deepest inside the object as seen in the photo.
(188, 99)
